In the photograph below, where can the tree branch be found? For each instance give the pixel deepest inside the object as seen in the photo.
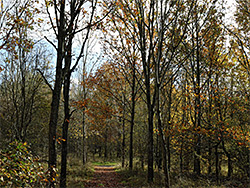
(46, 81)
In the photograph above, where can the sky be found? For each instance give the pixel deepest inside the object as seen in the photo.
(232, 8)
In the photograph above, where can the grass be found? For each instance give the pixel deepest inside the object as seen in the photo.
(138, 178)
(104, 163)
(77, 174)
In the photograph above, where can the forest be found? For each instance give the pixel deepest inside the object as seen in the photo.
(124, 93)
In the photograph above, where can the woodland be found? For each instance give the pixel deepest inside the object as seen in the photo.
(124, 93)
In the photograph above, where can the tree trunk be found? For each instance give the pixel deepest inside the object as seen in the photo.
(169, 121)
(209, 159)
(84, 144)
(217, 168)
(131, 138)
(66, 89)
(160, 127)
(165, 158)
(229, 162)
(197, 147)
(118, 147)
(123, 140)
(56, 99)
(53, 121)
(197, 153)
(132, 119)
(106, 145)
(150, 145)
(158, 149)
(181, 157)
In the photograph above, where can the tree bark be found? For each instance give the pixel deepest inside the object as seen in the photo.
(123, 138)
(66, 89)
(106, 144)
(217, 168)
(56, 99)
(84, 144)
(132, 117)
(197, 147)
(150, 144)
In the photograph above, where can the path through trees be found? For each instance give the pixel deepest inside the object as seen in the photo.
(105, 176)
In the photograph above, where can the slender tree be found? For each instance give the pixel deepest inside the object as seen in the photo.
(65, 26)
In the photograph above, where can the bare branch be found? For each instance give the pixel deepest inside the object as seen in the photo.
(46, 81)
(50, 42)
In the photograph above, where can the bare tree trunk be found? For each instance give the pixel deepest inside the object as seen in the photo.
(181, 157)
(84, 144)
(165, 157)
(66, 89)
(56, 98)
(209, 158)
(197, 147)
(217, 168)
(123, 139)
(106, 144)
(150, 144)
(132, 118)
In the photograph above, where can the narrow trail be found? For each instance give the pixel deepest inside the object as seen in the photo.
(105, 176)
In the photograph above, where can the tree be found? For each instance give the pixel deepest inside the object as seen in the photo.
(21, 83)
(21, 87)
(145, 24)
(66, 26)
(240, 45)
(124, 56)
(204, 23)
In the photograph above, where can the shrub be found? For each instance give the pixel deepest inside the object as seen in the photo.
(19, 168)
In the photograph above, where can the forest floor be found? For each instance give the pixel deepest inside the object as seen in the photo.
(110, 174)
(104, 176)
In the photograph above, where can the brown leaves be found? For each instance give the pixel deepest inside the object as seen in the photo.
(104, 177)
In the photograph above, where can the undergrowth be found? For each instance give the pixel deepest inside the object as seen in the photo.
(20, 168)
(77, 174)
(138, 178)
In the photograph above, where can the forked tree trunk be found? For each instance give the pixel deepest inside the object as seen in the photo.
(56, 98)
(65, 126)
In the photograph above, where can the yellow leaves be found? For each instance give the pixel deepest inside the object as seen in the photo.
(60, 139)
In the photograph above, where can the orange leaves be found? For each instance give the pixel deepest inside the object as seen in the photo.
(81, 103)
(59, 140)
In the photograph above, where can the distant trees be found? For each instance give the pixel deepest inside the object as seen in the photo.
(145, 32)
(21, 91)
(21, 84)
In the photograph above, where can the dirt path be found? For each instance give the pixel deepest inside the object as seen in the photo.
(105, 176)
